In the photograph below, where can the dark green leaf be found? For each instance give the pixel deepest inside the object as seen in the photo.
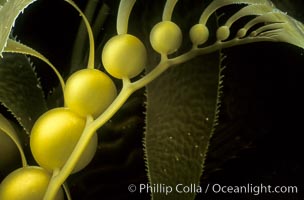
(181, 111)
(20, 90)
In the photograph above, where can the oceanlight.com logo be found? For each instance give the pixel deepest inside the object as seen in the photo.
(253, 189)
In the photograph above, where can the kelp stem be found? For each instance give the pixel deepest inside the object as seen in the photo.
(168, 10)
(124, 11)
(91, 61)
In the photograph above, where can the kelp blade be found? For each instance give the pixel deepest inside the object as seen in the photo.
(9, 12)
(20, 90)
(181, 111)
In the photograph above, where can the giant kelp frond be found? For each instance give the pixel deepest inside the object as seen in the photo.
(268, 23)
(215, 5)
(183, 104)
(259, 9)
(280, 27)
